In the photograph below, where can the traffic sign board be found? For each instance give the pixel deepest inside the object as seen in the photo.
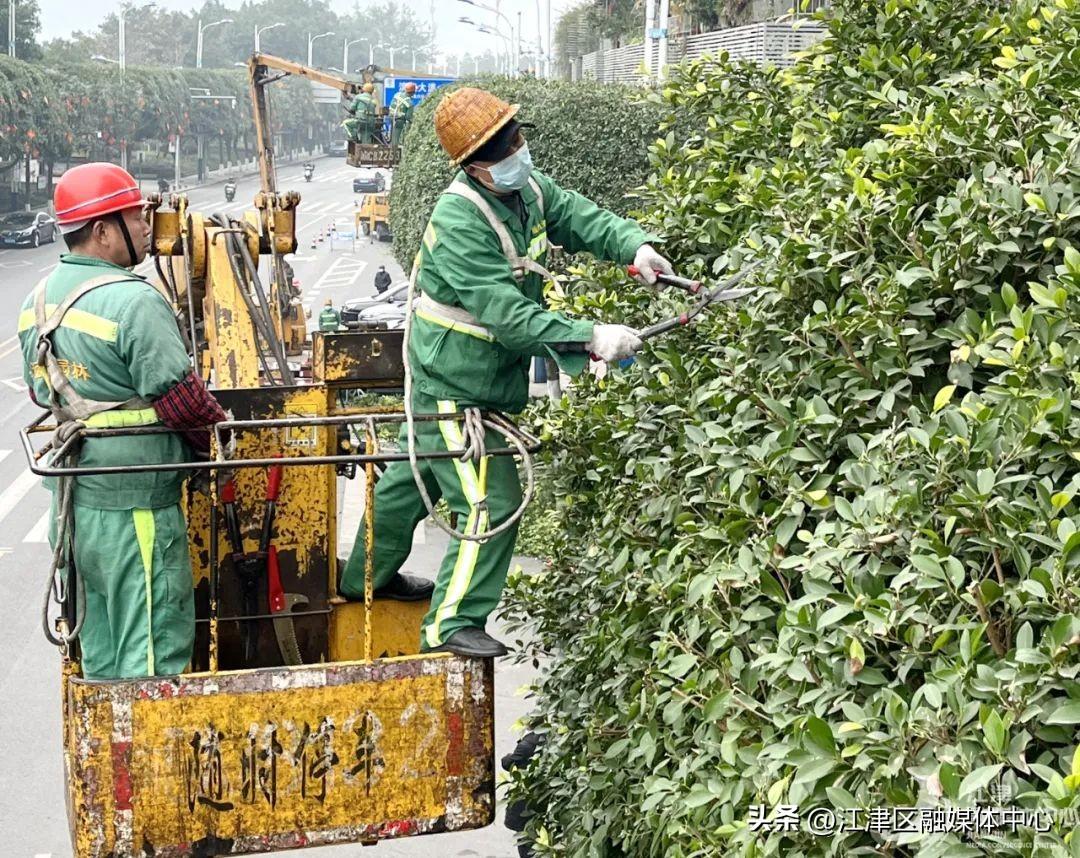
(424, 87)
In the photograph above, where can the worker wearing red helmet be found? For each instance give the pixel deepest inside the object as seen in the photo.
(102, 349)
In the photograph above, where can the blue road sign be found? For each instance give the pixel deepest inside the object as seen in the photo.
(424, 87)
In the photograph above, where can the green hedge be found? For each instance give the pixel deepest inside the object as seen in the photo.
(823, 548)
(589, 137)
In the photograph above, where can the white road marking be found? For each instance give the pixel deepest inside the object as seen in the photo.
(344, 271)
(49, 267)
(12, 496)
(40, 531)
(4, 454)
(8, 341)
(15, 383)
(9, 350)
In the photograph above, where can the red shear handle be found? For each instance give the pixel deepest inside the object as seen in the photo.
(273, 482)
(228, 492)
(273, 573)
(684, 283)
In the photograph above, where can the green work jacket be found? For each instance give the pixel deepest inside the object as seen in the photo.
(461, 264)
(363, 108)
(118, 342)
(329, 320)
(401, 107)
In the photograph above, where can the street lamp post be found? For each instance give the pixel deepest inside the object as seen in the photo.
(413, 60)
(311, 40)
(11, 28)
(482, 29)
(498, 14)
(260, 30)
(199, 40)
(345, 55)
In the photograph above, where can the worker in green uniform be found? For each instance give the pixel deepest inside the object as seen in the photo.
(329, 318)
(363, 121)
(401, 112)
(101, 349)
(478, 322)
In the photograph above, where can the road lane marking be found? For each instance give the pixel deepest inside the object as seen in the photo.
(15, 383)
(12, 496)
(336, 276)
(8, 351)
(40, 531)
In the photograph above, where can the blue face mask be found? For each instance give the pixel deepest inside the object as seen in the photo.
(512, 172)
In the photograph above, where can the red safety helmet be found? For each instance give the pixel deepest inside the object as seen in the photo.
(94, 190)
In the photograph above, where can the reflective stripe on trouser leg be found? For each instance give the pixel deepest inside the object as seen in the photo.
(472, 574)
(144, 533)
(109, 554)
(468, 552)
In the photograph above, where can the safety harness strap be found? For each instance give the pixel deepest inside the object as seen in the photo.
(64, 401)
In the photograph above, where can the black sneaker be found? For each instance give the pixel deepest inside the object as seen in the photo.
(472, 642)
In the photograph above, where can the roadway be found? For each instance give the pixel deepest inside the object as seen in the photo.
(32, 812)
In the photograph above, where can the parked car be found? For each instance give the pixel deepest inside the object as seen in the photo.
(29, 228)
(339, 147)
(368, 180)
(387, 308)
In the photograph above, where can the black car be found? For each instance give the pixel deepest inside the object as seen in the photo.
(368, 180)
(29, 228)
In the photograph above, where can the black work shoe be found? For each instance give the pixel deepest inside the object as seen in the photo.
(406, 588)
(402, 587)
(475, 643)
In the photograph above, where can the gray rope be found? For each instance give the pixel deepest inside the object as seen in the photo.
(63, 547)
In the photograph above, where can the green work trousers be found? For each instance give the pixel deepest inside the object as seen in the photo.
(472, 574)
(140, 606)
(397, 131)
(360, 130)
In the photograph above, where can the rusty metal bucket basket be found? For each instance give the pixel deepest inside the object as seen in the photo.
(239, 761)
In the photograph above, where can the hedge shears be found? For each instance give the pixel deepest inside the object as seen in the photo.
(728, 290)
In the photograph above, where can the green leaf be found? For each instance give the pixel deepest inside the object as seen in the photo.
(833, 615)
(820, 735)
(979, 779)
(681, 664)
(994, 733)
(1067, 714)
(944, 396)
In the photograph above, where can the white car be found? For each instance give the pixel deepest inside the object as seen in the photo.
(389, 307)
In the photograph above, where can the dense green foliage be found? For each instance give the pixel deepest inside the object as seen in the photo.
(823, 548)
(588, 137)
(52, 112)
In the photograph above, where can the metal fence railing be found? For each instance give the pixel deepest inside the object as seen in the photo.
(767, 42)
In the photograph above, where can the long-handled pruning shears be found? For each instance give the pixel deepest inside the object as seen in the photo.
(727, 291)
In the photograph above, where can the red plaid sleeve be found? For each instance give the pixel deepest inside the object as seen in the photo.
(189, 408)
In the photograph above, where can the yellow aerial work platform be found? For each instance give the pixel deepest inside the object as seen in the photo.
(359, 743)
(303, 721)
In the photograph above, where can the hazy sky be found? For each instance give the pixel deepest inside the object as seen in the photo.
(61, 17)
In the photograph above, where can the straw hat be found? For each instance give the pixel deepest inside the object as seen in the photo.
(467, 118)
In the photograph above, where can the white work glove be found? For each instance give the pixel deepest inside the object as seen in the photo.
(614, 342)
(649, 263)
